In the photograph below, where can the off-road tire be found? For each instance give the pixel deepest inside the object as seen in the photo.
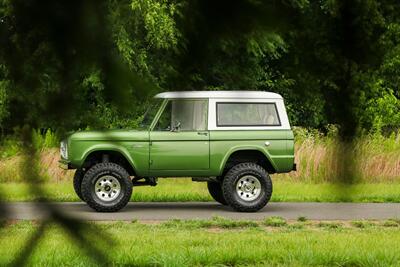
(215, 190)
(229, 187)
(109, 169)
(77, 181)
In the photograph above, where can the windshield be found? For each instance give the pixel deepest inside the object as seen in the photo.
(150, 113)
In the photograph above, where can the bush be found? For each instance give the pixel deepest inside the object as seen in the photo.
(48, 139)
(9, 147)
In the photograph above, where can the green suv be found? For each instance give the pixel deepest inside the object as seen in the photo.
(233, 140)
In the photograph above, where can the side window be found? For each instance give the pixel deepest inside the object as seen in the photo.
(183, 115)
(164, 122)
(247, 114)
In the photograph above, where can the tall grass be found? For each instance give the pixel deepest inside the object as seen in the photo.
(11, 145)
(323, 158)
(11, 156)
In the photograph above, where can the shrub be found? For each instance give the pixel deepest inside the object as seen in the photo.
(9, 147)
(48, 139)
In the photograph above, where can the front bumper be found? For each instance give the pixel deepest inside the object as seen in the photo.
(64, 164)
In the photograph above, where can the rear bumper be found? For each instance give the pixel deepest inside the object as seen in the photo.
(64, 164)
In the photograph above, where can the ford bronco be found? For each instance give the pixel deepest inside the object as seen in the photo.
(233, 140)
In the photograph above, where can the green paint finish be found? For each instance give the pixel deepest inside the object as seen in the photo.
(182, 153)
(133, 145)
(224, 143)
(166, 153)
(179, 151)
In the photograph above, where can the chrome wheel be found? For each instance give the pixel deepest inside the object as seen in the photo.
(248, 188)
(107, 188)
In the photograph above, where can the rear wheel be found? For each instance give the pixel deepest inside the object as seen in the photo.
(215, 190)
(106, 187)
(247, 187)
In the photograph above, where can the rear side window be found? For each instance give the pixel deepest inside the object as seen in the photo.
(247, 114)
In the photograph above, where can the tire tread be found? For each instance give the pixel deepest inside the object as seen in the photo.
(231, 176)
(86, 183)
(215, 190)
(77, 182)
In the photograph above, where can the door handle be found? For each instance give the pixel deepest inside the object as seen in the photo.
(202, 133)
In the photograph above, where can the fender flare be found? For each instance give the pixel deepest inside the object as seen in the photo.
(109, 147)
(245, 148)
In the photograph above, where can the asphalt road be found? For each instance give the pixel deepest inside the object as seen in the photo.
(204, 210)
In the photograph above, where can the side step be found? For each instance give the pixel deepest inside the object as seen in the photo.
(152, 181)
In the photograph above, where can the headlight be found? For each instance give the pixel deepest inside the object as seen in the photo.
(64, 150)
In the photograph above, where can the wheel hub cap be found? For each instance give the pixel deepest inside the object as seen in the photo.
(248, 187)
(107, 188)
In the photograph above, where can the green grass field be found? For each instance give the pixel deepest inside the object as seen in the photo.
(217, 242)
(185, 190)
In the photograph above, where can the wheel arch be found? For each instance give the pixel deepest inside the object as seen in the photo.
(113, 154)
(247, 154)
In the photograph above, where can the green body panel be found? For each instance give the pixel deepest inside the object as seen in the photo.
(179, 151)
(133, 145)
(225, 143)
(167, 154)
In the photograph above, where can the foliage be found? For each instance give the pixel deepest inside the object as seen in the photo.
(9, 147)
(48, 139)
(335, 62)
(41, 139)
(3, 101)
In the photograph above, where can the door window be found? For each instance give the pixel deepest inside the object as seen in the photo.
(183, 115)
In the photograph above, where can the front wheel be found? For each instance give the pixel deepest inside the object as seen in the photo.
(106, 187)
(247, 187)
(77, 182)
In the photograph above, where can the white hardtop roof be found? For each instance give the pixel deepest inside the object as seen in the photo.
(219, 94)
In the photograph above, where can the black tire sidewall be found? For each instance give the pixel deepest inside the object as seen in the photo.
(215, 190)
(77, 182)
(101, 170)
(231, 179)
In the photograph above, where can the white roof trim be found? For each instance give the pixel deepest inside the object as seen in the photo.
(220, 94)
